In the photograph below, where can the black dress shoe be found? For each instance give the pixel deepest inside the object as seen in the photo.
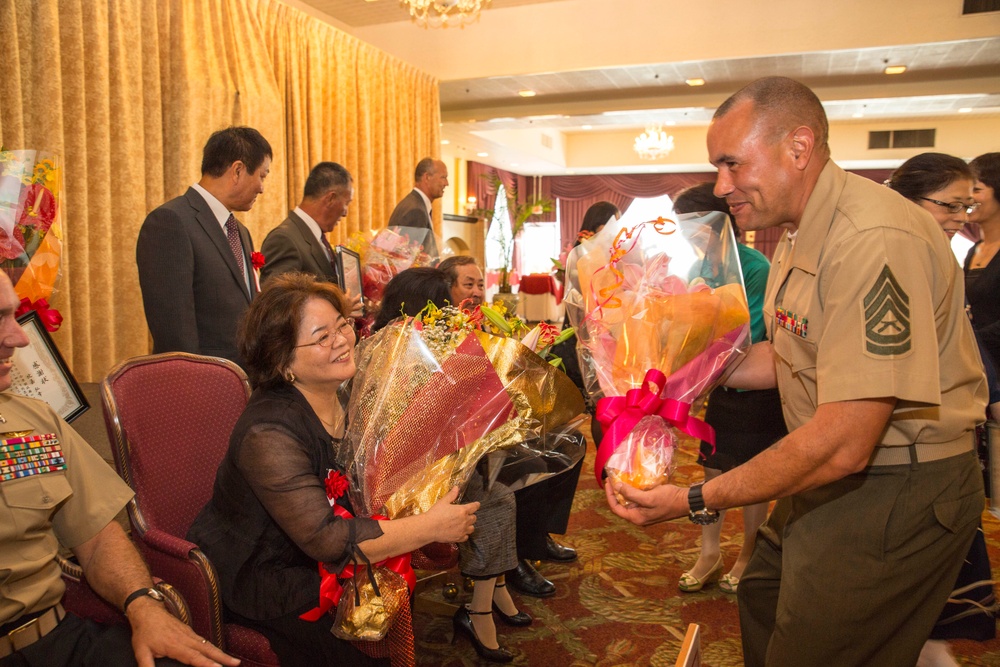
(462, 623)
(558, 553)
(527, 581)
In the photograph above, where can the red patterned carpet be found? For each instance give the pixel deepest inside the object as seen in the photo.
(619, 604)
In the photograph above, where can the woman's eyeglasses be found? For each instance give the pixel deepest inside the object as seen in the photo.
(955, 206)
(327, 340)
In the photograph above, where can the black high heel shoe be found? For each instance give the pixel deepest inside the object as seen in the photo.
(519, 620)
(462, 622)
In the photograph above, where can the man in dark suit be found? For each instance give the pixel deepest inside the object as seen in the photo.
(429, 181)
(299, 243)
(194, 256)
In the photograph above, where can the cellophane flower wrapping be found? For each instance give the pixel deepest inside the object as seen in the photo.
(664, 295)
(431, 399)
(30, 234)
(384, 254)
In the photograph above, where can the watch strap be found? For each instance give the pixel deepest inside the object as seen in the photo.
(696, 502)
(141, 592)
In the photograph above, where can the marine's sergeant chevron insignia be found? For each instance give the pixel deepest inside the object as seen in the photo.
(887, 316)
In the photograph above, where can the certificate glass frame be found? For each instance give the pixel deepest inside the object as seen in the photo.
(349, 264)
(39, 371)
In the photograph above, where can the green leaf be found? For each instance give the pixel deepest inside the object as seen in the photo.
(565, 334)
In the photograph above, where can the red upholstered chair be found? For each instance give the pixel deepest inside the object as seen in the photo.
(169, 417)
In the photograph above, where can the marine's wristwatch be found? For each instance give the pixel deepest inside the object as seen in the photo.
(697, 511)
(142, 592)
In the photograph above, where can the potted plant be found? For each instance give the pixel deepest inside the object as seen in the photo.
(522, 212)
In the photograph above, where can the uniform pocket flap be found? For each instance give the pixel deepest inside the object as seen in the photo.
(37, 492)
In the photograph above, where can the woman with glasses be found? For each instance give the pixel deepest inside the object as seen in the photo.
(269, 522)
(942, 185)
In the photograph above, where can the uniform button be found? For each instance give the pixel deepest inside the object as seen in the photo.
(46, 499)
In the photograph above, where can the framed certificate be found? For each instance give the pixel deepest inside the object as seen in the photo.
(39, 371)
(349, 263)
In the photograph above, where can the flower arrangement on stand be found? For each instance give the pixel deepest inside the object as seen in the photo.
(520, 213)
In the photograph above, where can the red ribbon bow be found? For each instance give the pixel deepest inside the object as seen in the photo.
(620, 414)
(330, 588)
(50, 317)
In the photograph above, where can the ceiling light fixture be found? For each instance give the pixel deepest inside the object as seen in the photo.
(526, 93)
(965, 110)
(586, 127)
(895, 69)
(444, 13)
(695, 82)
(483, 154)
(445, 142)
(654, 143)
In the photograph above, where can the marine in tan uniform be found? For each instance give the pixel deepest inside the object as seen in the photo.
(881, 388)
(64, 493)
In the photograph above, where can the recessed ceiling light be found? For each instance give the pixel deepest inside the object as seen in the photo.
(895, 69)
(857, 115)
(670, 122)
(513, 164)
(965, 110)
(695, 82)
(445, 142)
(586, 127)
(526, 93)
(483, 154)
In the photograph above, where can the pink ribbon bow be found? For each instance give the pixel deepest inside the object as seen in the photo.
(618, 415)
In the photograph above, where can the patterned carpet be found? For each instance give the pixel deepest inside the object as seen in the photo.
(619, 605)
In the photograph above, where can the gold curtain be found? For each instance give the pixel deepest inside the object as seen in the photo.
(127, 92)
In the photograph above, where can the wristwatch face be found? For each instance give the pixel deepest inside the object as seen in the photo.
(704, 517)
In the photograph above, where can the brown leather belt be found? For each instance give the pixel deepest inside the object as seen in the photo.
(922, 452)
(29, 633)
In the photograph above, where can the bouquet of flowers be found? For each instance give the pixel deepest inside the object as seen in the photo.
(660, 311)
(385, 254)
(433, 395)
(30, 243)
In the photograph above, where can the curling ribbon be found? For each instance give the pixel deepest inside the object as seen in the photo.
(620, 414)
(330, 588)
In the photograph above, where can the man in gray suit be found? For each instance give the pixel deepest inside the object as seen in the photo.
(194, 256)
(414, 210)
(299, 243)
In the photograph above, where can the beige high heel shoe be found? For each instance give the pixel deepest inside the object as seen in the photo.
(692, 584)
(729, 583)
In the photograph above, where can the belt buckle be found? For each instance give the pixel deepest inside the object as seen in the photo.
(14, 635)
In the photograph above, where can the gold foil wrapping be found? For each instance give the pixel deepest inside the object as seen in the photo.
(372, 619)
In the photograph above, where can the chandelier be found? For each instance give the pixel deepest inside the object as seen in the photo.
(654, 143)
(442, 13)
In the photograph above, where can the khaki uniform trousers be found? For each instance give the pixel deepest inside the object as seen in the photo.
(856, 572)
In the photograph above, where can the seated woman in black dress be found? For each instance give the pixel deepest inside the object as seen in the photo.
(269, 521)
(491, 550)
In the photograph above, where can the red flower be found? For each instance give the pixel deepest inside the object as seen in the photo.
(584, 235)
(50, 317)
(257, 260)
(39, 208)
(335, 483)
(11, 247)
